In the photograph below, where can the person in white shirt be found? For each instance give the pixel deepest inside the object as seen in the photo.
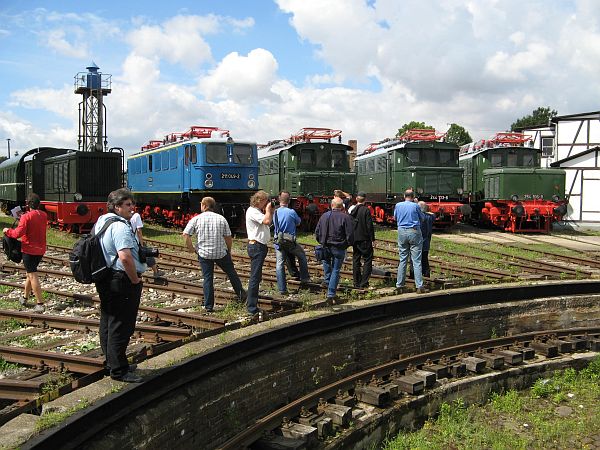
(257, 227)
(214, 247)
(137, 225)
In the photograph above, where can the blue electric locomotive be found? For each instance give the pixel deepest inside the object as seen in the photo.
(170, 177)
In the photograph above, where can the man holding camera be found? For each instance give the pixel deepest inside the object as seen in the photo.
(121, 291)
(214, 247)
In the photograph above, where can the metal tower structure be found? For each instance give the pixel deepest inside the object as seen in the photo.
(93, 85)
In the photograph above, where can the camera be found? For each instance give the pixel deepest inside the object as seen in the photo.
(147, 252)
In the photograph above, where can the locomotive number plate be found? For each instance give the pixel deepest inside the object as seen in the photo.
(230, 176)
(533, 196)
(439, 197)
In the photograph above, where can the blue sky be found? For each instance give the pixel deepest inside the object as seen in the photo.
(264, 69)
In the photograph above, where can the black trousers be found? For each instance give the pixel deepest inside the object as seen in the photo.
(119, 303)
(362, 253)
(426, 270)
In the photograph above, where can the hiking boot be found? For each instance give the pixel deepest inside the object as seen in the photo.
(399, 290)
(129, 377)
(422, 290)
(39, 308)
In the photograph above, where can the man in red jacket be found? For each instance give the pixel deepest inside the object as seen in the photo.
(32, 231)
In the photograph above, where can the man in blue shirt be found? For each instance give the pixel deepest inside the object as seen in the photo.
(285, 221)
(120, 292)
(408, 216)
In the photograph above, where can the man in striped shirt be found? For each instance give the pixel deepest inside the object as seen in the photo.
(214, 246)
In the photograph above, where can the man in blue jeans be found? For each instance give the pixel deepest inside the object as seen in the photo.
(257, 228)
(286, 220)
(335, 231)
(214, 247)
(408, 216)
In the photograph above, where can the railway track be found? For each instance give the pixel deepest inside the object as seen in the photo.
(329, 410)
(166, 327)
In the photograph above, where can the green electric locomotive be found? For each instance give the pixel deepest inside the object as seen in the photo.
(508, 189)
(308, 165)
(417, 159)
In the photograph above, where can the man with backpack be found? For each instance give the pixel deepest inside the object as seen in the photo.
(121, 289)
(364, 235)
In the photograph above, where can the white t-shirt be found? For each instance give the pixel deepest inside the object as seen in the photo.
(257, 231)
(136, 222)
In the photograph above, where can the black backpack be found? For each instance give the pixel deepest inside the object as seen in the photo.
(12, 249)
(87, 259)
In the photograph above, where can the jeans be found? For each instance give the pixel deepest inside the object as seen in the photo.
(281, 256)
(226, 264)
(331, 269)
(119, 303)
(410, 240)
(257, 253)
(362, 250)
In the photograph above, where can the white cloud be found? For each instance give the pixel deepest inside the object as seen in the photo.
(57, 41)
(242, 78)
(515, 67)
(62, 102)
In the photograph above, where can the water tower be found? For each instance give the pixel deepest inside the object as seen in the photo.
(93, 85)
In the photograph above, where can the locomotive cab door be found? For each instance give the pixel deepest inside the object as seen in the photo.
(389, 173)
(29, 178)
(189, 158)
(282, 171)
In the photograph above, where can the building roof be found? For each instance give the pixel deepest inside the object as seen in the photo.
(580, 116)
(572, 157)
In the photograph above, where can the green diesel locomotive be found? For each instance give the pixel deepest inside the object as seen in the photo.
(417, 159)
(508, 189)
(308, 165)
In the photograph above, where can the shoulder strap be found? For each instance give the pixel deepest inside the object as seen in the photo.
(327, 227)
(275, 221)
(107, 224)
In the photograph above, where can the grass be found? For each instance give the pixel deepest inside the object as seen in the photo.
(5, 366)
(57, 380)
(52, 419)
(11, 325)
(517, 420)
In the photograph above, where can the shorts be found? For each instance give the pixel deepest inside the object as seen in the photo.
(31, 262)
(150, 261)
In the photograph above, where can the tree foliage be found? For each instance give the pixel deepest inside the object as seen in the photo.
(412, 125)
(458, 135)
(539, 117)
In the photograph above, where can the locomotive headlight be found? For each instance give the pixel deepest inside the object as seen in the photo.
(514, 197)
(208, 183)
(208, 176)
(251, 184)
(420, 191)
(555, 198)
(77, 197)
(459, 191)
(251, 176)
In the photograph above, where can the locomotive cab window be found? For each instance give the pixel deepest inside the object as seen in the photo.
(242, 154)
(144, 164)
(165, 160)
(307, 158)
(429, 158)
(448, 158)
(412, 156)
(337, 159)
(496, 159)
(529, 158)
(150, 163)
(216, 153)
(156, 162)
(512, 160)
(173, 158)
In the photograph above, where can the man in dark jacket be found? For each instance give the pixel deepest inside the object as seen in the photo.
(364, 235)
(335, 231)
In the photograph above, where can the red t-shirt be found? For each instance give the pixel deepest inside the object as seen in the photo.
(32, 229)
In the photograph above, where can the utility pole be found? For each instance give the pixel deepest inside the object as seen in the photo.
(8, 145)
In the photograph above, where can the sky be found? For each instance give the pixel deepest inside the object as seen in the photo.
(263, 69)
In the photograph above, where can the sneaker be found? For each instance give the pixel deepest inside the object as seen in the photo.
(422, 290)
(306, 281)
(331, 300)
(324, 284)
(39, 308)
(284, 293)
(132, 367)
(399, 290)
(129, 377)
(23, 300)
(158, 274)
(207, 309)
